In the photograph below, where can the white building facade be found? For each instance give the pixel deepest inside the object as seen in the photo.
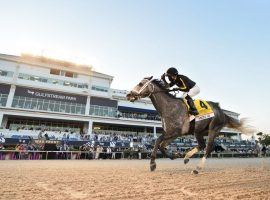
(42, 92)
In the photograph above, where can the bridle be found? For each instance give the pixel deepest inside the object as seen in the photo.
(138, 93)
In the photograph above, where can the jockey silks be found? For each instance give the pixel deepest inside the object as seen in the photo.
(183, 82)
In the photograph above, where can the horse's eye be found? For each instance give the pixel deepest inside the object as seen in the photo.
(140, 84)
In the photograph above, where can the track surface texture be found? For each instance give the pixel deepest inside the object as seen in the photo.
(227, 178)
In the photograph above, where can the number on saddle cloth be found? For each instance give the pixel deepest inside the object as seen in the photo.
(204, 109)
(202, 104)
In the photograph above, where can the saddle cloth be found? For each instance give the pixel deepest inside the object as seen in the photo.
(204, 109)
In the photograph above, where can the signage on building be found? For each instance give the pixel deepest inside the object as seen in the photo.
(103, 102)
(43, 94)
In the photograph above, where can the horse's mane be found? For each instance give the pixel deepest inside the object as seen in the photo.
(162, 86)
(160, 83)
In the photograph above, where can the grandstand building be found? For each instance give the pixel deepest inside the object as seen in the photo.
(42, 93)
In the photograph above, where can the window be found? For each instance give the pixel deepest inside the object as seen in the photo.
(44, 104)
(21, 103)
(62, 107)
(51, 81)
(83, 110)
(39, 104)
(34, 104)
(78, 110)
(99, 88)
(51, 105)
(67, 108)
(55, 71)
(69, 74)
(15, 102)
(3, 73)
(57, 107)
(102, 111)
(27, 103)
(72, 109)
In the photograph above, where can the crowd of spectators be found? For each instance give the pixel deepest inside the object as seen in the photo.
(141, 116)
(139, 142)
(110, 136)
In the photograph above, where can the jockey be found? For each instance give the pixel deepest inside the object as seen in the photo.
(185, 85)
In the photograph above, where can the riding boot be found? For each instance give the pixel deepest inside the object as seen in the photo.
(192, 109)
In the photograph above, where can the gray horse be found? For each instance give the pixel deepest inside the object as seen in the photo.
(176, 120)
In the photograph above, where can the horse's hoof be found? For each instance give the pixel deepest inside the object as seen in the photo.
(153, 167)
(195, 172)
(175, 156)
(186, 161)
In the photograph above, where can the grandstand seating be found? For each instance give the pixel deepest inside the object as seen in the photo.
(120, 136)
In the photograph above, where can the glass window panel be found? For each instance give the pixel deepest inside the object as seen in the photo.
(34, 104)
(78, 109)
(15, 103)
(51, 107)
(21, 98)
(57, 107)
(91, 110)
(55, 71)
(72, 109)
(2, 102)
(21, 103)
(45, 106)
(3, 73)
(44, 80)
(106, 112)
(39, 104)
(62, 108)
(83, 110)
(96, 111)
(27, 104)
(67, 108)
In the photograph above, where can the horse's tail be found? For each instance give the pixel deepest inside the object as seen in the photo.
(240, 125)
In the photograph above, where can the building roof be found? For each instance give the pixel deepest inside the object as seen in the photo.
(47, 62)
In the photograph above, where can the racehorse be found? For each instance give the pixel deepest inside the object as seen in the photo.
(176, 121)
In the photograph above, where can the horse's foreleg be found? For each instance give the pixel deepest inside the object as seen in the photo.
(153, 164)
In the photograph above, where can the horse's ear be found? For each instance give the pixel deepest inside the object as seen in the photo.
(149, 78)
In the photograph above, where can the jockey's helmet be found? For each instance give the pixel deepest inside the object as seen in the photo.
(172, 71)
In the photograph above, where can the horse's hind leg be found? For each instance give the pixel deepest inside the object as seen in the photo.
(153, 164)
(163, 146)
(209, 148)
(201, 146)
(190, 154)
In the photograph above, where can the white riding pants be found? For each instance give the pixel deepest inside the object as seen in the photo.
(192, 92)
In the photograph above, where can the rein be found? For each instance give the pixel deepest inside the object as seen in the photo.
(149, 82)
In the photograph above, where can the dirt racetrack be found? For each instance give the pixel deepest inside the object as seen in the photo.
(228, 178)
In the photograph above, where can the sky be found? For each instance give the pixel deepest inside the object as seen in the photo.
(224, 46)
